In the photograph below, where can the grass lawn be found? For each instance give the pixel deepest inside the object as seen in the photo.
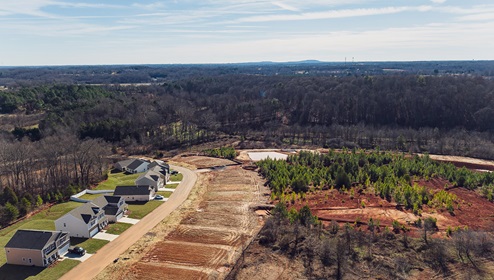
(91, 245)
(165, 194)
(171, 186)
(177, 177)
(118, 228)
(45, 220)
(91, 196)
(139, 210)
(118, 179)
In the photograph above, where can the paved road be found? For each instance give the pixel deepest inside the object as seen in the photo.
(105, 256)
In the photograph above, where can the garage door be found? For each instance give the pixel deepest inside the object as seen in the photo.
(119, 216)
(93, 232)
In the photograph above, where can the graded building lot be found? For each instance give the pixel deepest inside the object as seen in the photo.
(211, 235)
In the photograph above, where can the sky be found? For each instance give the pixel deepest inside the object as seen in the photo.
(87, 32)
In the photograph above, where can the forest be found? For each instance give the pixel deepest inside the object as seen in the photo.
(49, 116)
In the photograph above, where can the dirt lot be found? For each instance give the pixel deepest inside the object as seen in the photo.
(206, 239)
(203, 162)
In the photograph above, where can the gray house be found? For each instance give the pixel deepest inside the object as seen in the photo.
(132, 165)
(114, 206)
(83, 221)
(151, 178)
(135, 193)
(36, 248)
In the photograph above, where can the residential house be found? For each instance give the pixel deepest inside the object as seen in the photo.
(160, 167)
(135, 193)
(83, 221)
(151, 178)
(132, 165)
(36, 247)
(114, 206)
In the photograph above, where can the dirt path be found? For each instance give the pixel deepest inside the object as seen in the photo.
(105, 256)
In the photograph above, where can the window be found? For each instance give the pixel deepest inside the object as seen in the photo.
(30, 260)
(64, 225)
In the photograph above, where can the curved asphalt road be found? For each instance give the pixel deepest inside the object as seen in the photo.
(105, 256)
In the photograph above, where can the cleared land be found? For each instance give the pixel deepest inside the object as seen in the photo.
(210, 237)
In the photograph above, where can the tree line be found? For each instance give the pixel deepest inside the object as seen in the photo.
(48, 170)
(391, 176)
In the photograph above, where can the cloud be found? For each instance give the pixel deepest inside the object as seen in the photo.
(152, 6)
(438, 1)
(286, 7)
(333, 14)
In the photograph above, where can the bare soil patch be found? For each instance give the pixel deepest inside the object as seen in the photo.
(213, 230)
(153, 272)
(207, 236)
(203, 162)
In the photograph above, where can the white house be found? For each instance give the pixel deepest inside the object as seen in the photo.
(151, 178)
(36, 247)
(132, 165)
(114, 206)
(135, 193)
(83, 221)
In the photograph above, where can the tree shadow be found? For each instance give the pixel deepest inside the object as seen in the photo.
(14, 272)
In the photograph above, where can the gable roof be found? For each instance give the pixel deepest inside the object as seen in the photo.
(136, 163)
(104, 200)
(151, 175)
(159, 163)
(85, 212)
(33, 239)
(132, 190)
(111, 210)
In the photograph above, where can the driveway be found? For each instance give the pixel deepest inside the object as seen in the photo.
(128, 220)
(105, 236)
(76, 257)
(105, 256)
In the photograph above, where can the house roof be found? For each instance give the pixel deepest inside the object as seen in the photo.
(151, 175)
(111, 210)
(33, 239)
(132, 190)
(85, 212)
(159, 163)
(136, 163)
(104, 200)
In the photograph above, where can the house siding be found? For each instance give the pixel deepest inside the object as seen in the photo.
(22, 256)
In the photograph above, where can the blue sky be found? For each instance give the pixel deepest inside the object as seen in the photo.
(62, 32)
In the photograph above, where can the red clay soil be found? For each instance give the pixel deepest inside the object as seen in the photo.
(152, 272)
(471, 209)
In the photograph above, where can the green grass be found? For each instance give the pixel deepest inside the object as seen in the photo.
(171, 186)
(117, 179)
(91, 245)
(90, 196)
(118, 228)
(139, 210)
(165, 194)
(177, 177)
(56, 271)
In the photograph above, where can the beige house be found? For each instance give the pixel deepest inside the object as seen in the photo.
(36, 248)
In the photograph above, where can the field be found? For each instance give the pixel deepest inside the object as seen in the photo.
(210, 237)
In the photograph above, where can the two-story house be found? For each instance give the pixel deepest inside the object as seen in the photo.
(36, 247)
(83, 221)
(114, 206)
